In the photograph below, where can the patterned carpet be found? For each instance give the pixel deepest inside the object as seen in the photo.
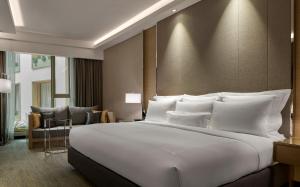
(22, 167)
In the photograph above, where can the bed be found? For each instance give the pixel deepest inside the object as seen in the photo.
(168, 154)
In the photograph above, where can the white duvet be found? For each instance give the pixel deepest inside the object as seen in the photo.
(164, 155)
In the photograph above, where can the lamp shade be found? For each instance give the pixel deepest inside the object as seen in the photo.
(133, 98)
(5, 86)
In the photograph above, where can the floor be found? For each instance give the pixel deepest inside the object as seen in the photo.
(22, 167)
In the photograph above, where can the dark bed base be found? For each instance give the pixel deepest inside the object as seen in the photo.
(273, 176)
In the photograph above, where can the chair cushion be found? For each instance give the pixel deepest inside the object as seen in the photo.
(79, 114)
(61, 113)
(46, 116)
(38, 110)
(93, 117)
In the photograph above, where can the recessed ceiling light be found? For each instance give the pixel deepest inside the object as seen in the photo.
(16, 12)
(155, 7)
(174, 10)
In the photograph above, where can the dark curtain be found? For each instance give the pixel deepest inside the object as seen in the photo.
(88, 82)
(2, 103)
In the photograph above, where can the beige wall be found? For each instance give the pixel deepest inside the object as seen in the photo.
(225, 45)
(123, 73)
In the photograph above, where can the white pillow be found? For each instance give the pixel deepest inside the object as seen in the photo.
(281, 100)
(194, 107)
(250, 117)
(157, 110)
(188, 119)
(172, 97)
(275, 118)
(205, 95)
(190, 98)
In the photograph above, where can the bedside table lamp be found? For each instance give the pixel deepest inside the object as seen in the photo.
(133, 98)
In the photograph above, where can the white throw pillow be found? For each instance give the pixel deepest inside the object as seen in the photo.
(172, 97)
(250, 117)
(157, 110)
(188, 119)
(275, 118)
(194, 107)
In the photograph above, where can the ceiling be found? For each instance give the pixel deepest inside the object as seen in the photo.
(78, 23)
(6, 21)
(78, 19)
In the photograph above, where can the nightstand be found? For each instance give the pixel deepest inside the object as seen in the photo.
(288, 152)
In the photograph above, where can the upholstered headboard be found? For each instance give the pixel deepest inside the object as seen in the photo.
(225, 45)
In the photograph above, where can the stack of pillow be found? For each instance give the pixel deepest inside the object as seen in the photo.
(257, 113)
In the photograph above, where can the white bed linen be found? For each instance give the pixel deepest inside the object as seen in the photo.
(164, 155)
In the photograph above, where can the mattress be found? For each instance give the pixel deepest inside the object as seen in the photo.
(166, 155)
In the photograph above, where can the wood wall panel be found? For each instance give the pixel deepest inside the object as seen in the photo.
(297, 71)
(149, 67)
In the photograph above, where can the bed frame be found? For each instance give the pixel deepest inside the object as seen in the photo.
(273, 176)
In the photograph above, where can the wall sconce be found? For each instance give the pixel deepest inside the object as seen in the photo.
(134, 98)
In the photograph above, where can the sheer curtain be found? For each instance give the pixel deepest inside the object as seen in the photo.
(10, 107)
(46, 94)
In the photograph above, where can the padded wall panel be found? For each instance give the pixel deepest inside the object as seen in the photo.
(197, 49)
(225, 45)
(279, 45)
(253, 45)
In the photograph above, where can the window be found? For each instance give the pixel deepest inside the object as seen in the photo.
(45, 94)
(41, 93)
(60, 81)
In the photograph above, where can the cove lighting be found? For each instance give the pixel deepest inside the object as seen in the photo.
(155, 7)
(16, 12)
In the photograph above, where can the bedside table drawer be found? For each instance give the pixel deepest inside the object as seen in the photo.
(287, 154)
